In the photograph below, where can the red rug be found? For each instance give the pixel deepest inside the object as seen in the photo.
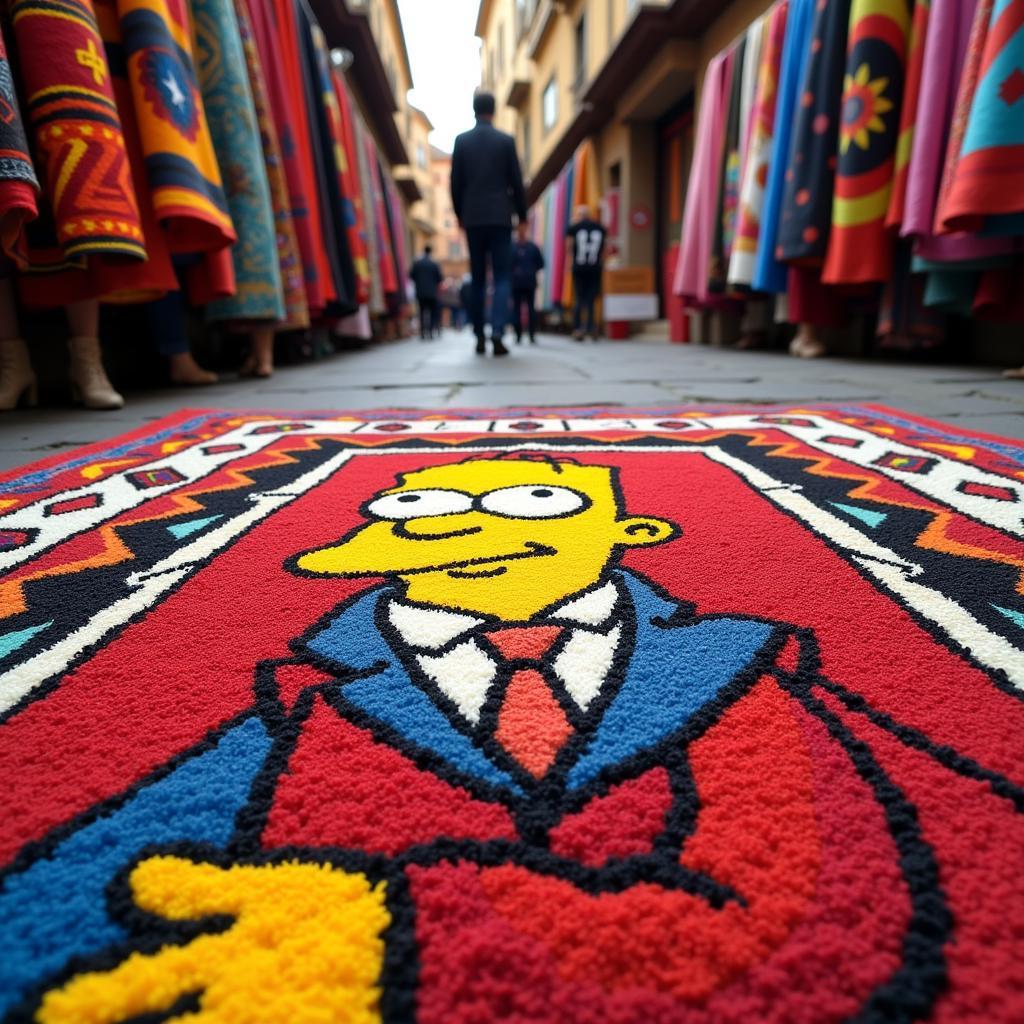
(710, 716)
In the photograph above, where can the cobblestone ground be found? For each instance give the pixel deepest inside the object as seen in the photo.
(445, 374)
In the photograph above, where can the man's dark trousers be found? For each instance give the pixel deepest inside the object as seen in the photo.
(587, 287)
(524, 297)
(429, 322)
(490, 243)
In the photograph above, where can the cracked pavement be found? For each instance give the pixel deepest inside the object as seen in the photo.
(446, 374)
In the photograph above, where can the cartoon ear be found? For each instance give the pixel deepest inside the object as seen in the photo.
(643, 530)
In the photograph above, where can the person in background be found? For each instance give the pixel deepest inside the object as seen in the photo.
(584, 241)
(168, 324)
(487, 189)
(90, 385)
(466, 301)
(426, 278)
(527, 262)
(448, 301)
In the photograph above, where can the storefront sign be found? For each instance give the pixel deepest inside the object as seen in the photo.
(631, 307)
(628, 280)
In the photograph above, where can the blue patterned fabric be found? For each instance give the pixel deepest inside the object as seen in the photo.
(770, 275)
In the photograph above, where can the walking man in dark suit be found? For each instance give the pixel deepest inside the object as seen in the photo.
(487, 189)
(426, 278)
(527, 262)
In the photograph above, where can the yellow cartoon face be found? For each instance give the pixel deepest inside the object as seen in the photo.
(502, 537)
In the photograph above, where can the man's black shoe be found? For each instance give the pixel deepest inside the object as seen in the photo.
(481, 345)
(499, 348)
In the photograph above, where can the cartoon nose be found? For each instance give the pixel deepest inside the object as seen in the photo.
(440, 527)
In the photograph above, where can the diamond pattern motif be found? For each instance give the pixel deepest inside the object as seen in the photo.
(82, 502)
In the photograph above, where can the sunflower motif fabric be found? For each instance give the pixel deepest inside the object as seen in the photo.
(860, 249)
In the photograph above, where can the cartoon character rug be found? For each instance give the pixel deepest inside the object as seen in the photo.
(711, 716)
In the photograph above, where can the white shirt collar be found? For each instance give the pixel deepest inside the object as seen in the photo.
(593, 608)
(428, 628)
(465, 673)
(433, 628)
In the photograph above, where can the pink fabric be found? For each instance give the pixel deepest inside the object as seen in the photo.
(949, 32)
(691, 279)
(558, 253)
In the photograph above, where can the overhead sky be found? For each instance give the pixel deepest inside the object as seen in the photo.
(445, 58)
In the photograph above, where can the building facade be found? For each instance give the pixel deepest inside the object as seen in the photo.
(622, 76)
(423, 211)
(449, 243)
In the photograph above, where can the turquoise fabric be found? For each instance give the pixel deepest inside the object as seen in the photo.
(227, 97)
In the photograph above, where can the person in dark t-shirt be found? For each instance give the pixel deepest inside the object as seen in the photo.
(584, 241)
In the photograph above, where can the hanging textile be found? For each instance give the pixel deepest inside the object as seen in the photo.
(559, 225)
(770, 273)
(945, 52)
(905, 321)
(352, 198)
(398, 237)
(366, 183)
(860, 247)
(184, 179)
(227, 99)
(806, 219)
(296, 310)
(269, 45)
(385, 253)
(565, 293)
(323, 137)
(76, 134)
(727, 182)
(539, 236)
(290, 52)
(18, 183)
(759, 148)
(953, 261)
(51, 280)
(698, 231)
(908, 111)
(586, 191)
(754, 43)
(985, 165)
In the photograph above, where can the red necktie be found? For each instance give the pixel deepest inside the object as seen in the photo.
(532, 726)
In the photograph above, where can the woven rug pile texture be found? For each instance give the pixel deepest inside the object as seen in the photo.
(535, 715)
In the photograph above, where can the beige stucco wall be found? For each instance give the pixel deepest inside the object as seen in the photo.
(735, 18)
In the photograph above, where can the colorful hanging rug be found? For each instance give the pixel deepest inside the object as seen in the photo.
(712, 715)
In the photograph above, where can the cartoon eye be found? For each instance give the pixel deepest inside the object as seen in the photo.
(534, 501)
(417, 504)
